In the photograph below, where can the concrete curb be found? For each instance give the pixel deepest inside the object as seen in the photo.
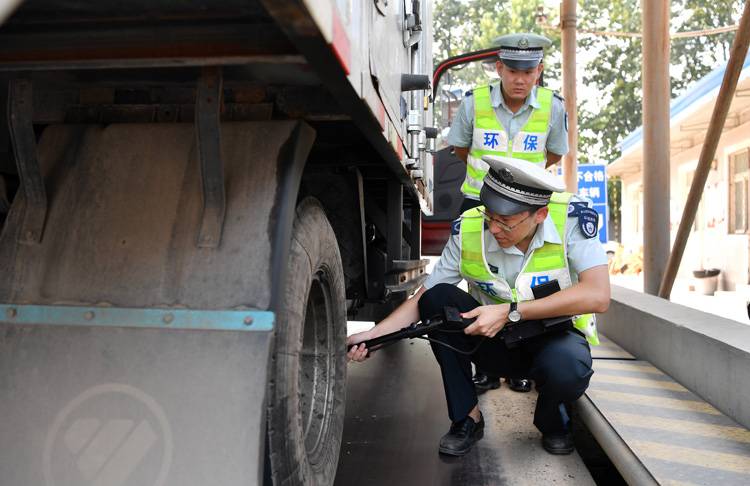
(708, 354)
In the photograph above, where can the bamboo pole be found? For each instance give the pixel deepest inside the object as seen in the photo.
(656, 96)
(568, 20)
(708, 151)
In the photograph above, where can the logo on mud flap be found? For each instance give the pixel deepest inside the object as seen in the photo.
(109, 435)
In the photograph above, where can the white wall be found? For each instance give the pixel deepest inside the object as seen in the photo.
(711, 245)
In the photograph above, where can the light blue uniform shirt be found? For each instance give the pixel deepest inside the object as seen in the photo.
(583, 253)
(462, 129)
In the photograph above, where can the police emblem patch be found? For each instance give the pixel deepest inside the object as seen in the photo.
(588, 221)
(523, 43)
(455, 227)
(574, 208)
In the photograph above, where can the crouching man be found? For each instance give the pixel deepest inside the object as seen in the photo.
(527, 232)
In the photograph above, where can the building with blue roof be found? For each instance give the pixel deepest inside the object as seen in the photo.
(720, 233)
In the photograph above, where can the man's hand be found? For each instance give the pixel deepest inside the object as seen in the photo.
(358, 352)
(490, 319)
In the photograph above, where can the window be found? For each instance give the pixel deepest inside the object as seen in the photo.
(739, 175)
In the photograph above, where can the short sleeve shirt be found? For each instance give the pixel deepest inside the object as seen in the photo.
(461, 131)
(583, 253)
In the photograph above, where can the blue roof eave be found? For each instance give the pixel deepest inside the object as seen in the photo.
(704, 87)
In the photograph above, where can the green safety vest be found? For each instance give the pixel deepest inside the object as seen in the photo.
(547, 263)
(491, 138)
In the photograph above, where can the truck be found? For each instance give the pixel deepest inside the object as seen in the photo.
(195, 196)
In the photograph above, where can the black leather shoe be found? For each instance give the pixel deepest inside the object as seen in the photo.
(483, 382)
(462, 436)
(519, 384)
(559, 444)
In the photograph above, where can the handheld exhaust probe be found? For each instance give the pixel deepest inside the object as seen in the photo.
(449, 320)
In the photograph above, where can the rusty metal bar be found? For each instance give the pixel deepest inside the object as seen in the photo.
(113, 45)
(23, 140)
(718, 118)
(568, 20)
(656, 96)
(208, 136)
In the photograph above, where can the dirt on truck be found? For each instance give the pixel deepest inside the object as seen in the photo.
(195, 196)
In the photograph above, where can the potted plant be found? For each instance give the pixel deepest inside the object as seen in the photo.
(707, 280)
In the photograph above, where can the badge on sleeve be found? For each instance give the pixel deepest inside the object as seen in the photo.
(456, 226)
(588, 221)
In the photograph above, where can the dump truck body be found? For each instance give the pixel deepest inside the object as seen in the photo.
(198, 195)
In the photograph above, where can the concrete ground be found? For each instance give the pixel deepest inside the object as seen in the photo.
(396, 414)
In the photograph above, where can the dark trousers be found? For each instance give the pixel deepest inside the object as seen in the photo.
(559, 364)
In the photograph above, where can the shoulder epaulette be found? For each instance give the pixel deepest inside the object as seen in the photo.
(469, 93)
(558, 96)
(574, 208)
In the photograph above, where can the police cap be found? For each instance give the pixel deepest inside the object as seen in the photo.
(512, 186)
(521, 51)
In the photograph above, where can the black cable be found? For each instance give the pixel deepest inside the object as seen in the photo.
(465, 353)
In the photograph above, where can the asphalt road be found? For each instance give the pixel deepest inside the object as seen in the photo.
(396, 415)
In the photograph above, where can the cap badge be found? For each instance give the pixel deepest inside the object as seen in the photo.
(523, 43)
(506, 175)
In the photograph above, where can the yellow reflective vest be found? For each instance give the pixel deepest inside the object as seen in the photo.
(491, 138)
(546, 263)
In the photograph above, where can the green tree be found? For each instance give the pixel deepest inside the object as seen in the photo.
(611, 78)
(614, 71)
(462, 26)
(708, 50)
(611, 95)
(468, 25)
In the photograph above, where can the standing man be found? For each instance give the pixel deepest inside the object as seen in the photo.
(527, 233)
(515, 118)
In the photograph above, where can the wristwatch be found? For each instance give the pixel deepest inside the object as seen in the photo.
(514, 316)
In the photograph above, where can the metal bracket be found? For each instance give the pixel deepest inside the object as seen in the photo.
(166, 318)
(394, 222)
(208, 137)
(23, 140)
(363, 222)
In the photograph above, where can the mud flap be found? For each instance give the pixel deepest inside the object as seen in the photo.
(149, 374)
(118, 406)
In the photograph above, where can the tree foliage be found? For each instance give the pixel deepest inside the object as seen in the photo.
(468, 25)
(609, 67)
(614, 69)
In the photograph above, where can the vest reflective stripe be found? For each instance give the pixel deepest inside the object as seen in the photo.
(550, 260)
(551, 256)
(491, 138)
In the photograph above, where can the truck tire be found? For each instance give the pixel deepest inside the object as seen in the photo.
(308, 373)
